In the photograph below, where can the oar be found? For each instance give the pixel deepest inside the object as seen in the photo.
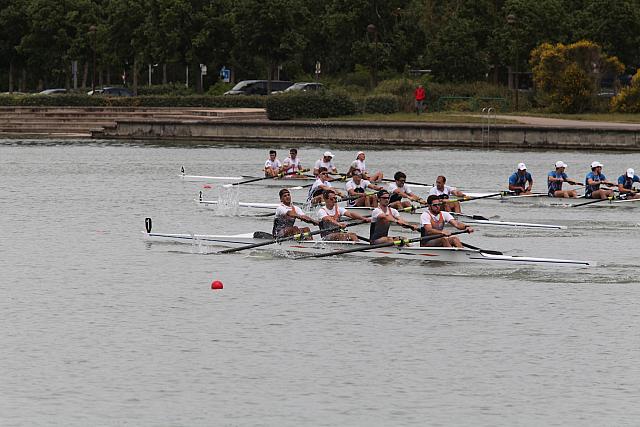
(280, 175)
(591, 201)
(298, 236)
(477, 217)
(400, 242)
(486, 196)
(407, 182)
(486, 251)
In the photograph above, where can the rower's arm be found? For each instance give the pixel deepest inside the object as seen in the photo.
(460, 225)
(356, 216)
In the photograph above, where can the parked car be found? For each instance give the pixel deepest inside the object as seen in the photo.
(52, 92)
(112, 91)
(257, 87)
(305, 87)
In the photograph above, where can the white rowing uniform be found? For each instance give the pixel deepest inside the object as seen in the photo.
(360, 165)
(334, 213)
(394, 197)
(437, 221)
(393, 187)
(316, 189)
(378, 231)
(274, 165)
(322, 164)
(291, 165)
(446, 191)
(358, 188)
(282, 220)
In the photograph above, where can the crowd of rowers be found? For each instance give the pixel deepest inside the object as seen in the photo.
(362, 190)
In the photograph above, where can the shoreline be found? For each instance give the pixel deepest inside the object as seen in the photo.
(202, 125)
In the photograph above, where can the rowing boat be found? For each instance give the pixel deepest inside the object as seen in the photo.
(544, 200)
(439, 254)
(285, 181)
(409, 216)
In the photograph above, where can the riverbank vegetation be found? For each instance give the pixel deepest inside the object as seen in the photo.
(469, 54)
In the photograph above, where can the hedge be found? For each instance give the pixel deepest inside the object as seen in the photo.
(135, 101)
(288, 106)
(384, 103)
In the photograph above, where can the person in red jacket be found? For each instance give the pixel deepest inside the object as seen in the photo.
(420, 95)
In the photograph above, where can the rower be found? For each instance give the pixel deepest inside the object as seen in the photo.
(433, 221)
(291, 165)
(286, 215)
(272, 166)
(556, 178)
(325, 162)
(356, 188)
(330, 215)
(321, 184)
(625, 185)
(360, 165)
(381, 219)
(592, 183)
(521, 181)
(399, 189)
(443, 191)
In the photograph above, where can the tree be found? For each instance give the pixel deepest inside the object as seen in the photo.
(270, 30)
(567, 76)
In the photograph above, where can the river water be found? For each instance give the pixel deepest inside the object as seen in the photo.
(101, 328)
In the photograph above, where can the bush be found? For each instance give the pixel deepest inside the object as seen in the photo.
(135, 101)
(384, 103)
(628, 100)
(309, 105)
(174, 89)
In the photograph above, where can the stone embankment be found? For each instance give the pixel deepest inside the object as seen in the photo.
(247, 125)
(82, 122)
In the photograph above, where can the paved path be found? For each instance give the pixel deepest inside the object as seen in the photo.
(548, 122)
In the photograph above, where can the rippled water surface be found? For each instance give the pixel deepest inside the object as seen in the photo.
(101, 328)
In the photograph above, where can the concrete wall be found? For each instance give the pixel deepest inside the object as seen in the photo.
(363, 133)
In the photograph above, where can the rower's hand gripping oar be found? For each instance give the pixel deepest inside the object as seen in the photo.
(280, 175)
(400, 242)
(298, 236)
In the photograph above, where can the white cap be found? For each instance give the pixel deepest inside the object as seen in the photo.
(328, 154)
(522, 166)
(561, 164)
(631, 173)
(359, 152)
(596, 164)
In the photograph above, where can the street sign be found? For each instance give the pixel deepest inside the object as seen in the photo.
(225, 74)
(203, 69)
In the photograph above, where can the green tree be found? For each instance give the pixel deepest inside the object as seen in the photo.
(567, 76)
(13, 26)
(270, 30)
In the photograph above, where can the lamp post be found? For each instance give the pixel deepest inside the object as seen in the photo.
(92, 30)
(512, 20)
(373, 31)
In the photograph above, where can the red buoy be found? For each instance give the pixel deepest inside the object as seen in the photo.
(206, 186)
(216, 284)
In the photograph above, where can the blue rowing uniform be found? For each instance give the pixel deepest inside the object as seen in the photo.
(588, 189)
(555, 185)
(627, 182)
(520, 180)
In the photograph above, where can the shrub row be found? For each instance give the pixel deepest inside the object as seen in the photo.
(309, 105)
(136, 101)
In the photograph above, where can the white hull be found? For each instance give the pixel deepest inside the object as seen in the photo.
(320, 247)
(545, 200)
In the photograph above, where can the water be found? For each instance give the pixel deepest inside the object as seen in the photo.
(102, 329)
